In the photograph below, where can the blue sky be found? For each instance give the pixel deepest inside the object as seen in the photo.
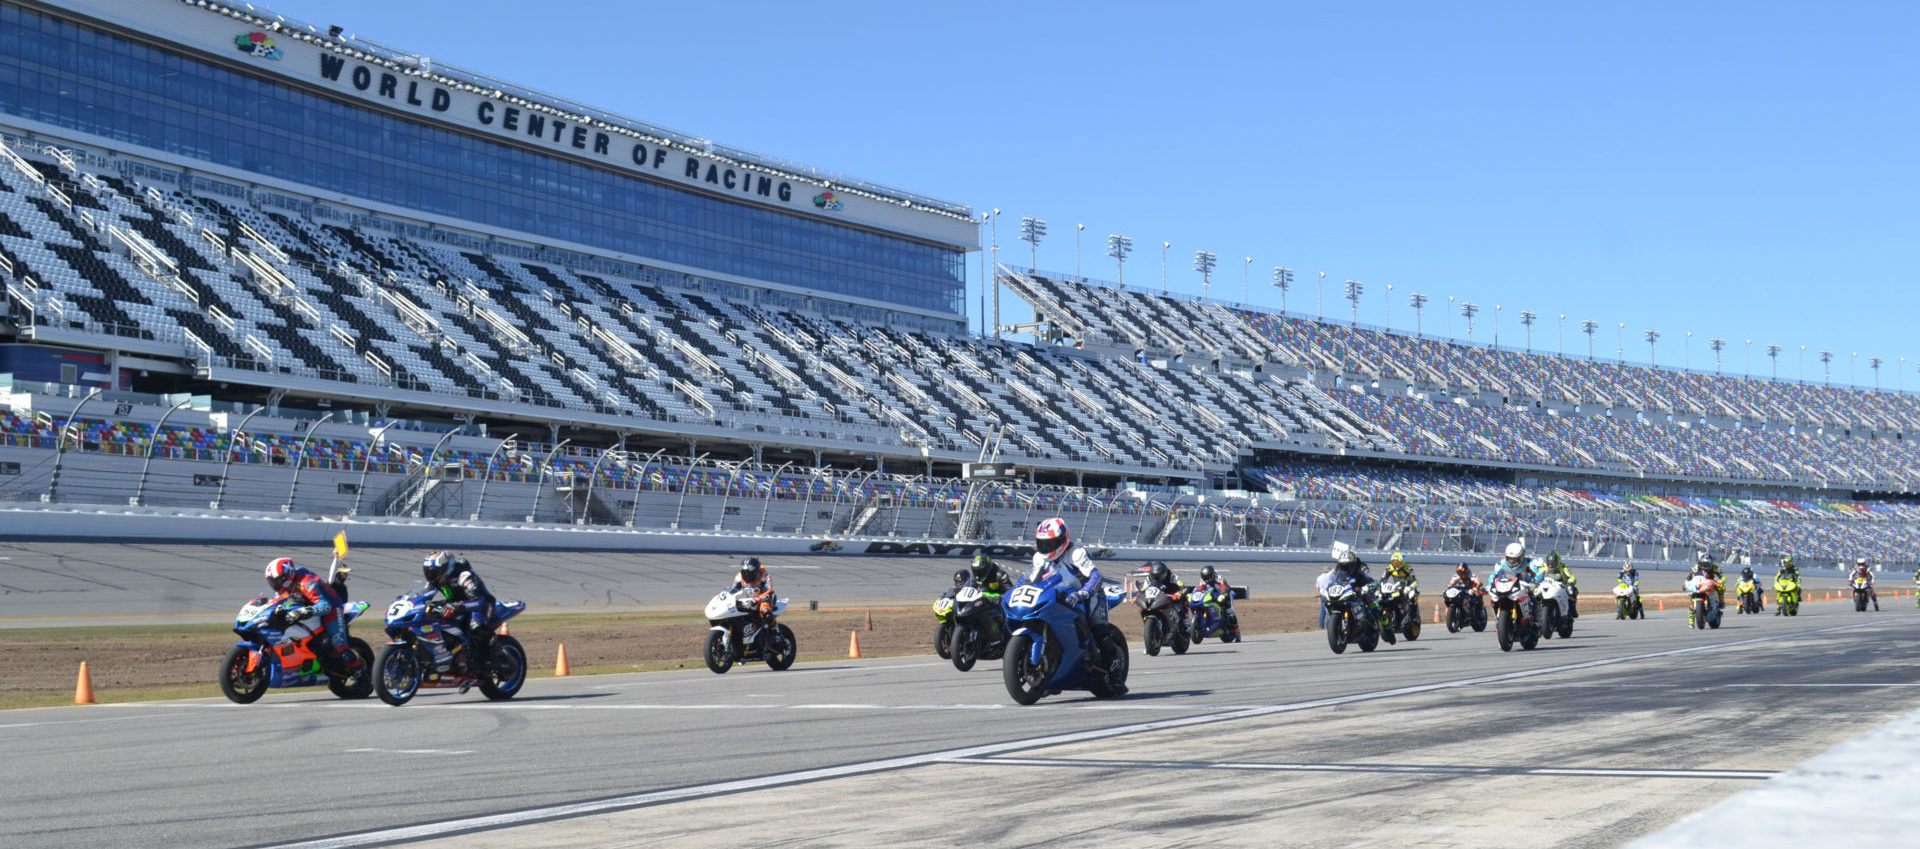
(1745, 170)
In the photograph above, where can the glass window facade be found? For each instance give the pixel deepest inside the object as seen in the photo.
(74, 76)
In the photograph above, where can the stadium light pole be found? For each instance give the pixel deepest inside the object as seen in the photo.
(1320, 297)
(379, 439)
(300, 461)
(1853, 369)
(1496, 325)
(1653, 344)
(993, 273)
(241, 431)
(1875, 362)
(1355, 289)
(1163, 267)
(1468, 311)
(1746, 367)
(1773, 353)
(53, 483)
(1419, 304)
(983, 279)
(1560, 336)
(139, 492)
(1686, 351)
(1204, 262)
(1077, 230)
(1826, 361)
(1118, 247)
(540, 482)
(1717, 344)
(1620, 342)
(1900, 376)
(1526, 320)
(1588, 326)
(1387, 311)
(433, 456)
(1032, 230)
(488, 476)
(1246, 281)
(1283, 280)
(1449, 316)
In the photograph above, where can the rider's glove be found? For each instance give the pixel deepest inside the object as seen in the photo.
(1078, 596)
(299, 613)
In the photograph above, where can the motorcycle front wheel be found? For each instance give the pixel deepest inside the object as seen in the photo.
(1336, 633)
(1151, 636)
(780, 655)
(942, 641)
(506, 669)
(1531, 637)
(966, 647)
(719, 655)
(1026, 681)
(240, 686)
(1479, 618)
(397, 673)
(359, 686)
(1370, 634)
(1503, 630)
(1454, 614)
(1698, 617)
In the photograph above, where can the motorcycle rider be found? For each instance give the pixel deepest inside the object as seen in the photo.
(1559, 569)
(1711, 569)
(1055, 551)
(1210, 580)
(453, 579)
(316, 598)
(1746, 574)
(1397, 567)
(1160, 575)
(1630, 574)
(1463, 575)
(1515, 563)
(754, 579)
(1788, 572)
(991, 579)
(1862, 570)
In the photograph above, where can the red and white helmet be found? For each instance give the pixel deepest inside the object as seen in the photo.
(280, 573)
(1051, 538)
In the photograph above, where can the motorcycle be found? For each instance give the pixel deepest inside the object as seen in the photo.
(1703, 610)
(426, 649)
(979, 626)
(943, 633)
(1164, 619)
(1045, 655)
(1513, 614)
(1749, 590)
(1207, 608)
(1399, 609)
(1466, 607)
(1626, 601)
(1786, 595)
(735, 636)
(1862, 593)
(276, 654)
(1553, 606)
(1352, 618)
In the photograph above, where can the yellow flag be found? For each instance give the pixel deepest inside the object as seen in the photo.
(340, 545)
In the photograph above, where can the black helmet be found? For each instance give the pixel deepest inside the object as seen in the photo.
(436, 566)
(982, 566)
(1158, 571)
(960, 576)
(750, 570)
(1207, 575)
(1706, 558)
(1746, 572)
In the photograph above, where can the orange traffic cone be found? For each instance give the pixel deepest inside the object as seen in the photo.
(83, 688)
(1437, 618)
(869, 621)
(853, 644)
(1663, 605)
(560, 669)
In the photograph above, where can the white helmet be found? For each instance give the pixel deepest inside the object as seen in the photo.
(1516, 551)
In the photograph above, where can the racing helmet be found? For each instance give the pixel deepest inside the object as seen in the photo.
(1746, 572)
(960, 576)
(1628, 569)
(1787, 562)
(1860, 562)
(982, 566)
(1397, 559)
(1516, 551)
(750, 570)
(1051, 537)
(1706, 558)
(1159, 573)
(280, 573)
(1207, 575)
(436, 566)
(1463, 572)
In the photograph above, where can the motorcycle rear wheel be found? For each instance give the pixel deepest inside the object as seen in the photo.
(942, 641)
(359, 686)
(718, 653)
(780, 655)
(1151, 636)
(505, 671)
(1566, 627)
(397, 673)
(1370, 635)
(1118, 662)
(1413, 628)
(1531, 638)
(1025, 680)
(1181, 640)
(238, 685)
(1503, 630)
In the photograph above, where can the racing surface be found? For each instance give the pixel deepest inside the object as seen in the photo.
(1597, 740)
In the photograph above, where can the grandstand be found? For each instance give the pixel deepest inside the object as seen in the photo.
(323, 333)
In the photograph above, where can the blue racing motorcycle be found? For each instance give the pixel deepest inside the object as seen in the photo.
(274, 652)
(429, 648)
(1044, 655)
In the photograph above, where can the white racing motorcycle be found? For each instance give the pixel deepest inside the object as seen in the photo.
(737, 637)
(1552, 607)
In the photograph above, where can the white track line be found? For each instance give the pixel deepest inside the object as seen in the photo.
(1417, 769)
(424, 831)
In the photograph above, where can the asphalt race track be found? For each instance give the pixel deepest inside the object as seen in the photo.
(1593, 741)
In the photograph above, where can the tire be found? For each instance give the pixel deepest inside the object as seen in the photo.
(942, 641)
(1336, 633)
(1455, 615)
(1859, 602)
(1622, 609)
(1697, 616)
(965, 650)
(1531, 638)
(1116, 648)
(360, 686)
(505, 670)
(1024, 681)
(396, 673)
(1413, 628)
(1503, 629)
(1566, 628)
(1151, 636)
(1181, 641)
(238, 686)
(1195, 635)
(1370, 635)
(1479, 618)
(780, 661)
(719, 654)
(1385, 629)
(1713, 619)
